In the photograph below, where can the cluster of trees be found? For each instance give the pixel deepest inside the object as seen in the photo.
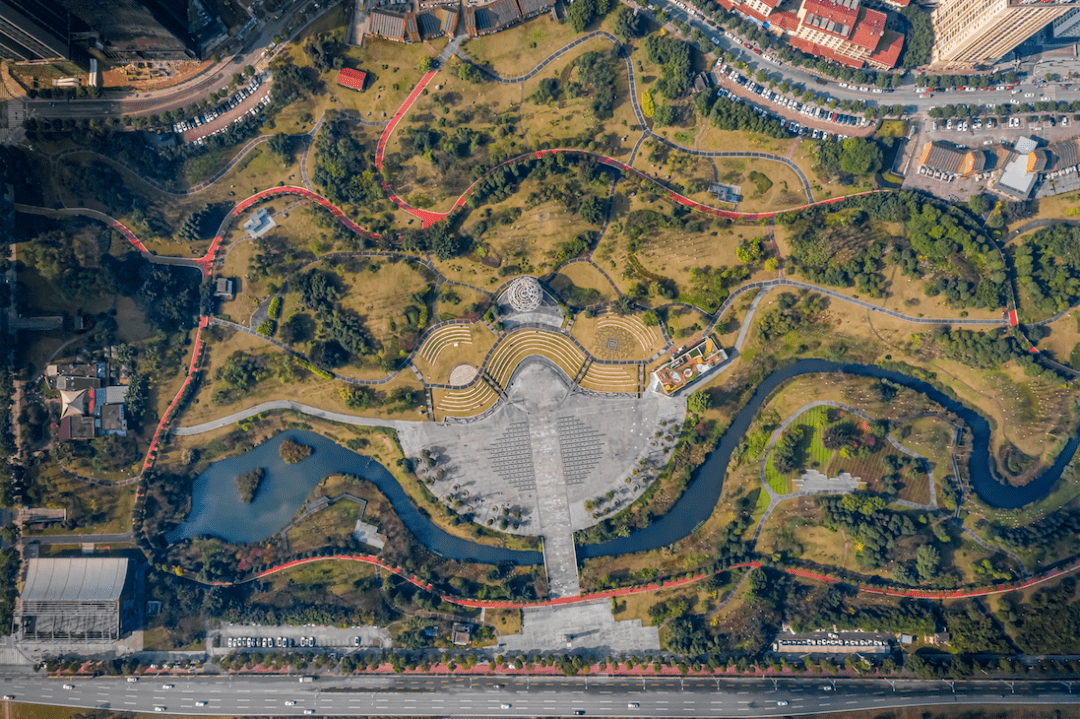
(239, 374)
(866, 518)
(248, 484)
(985, 350)
(325, 52)
(786, 455)
(1041, 534)
(342, 332)
(790, 315)
(1047, 266)
(196, 225)
(919, 39)
(937, 82)
(343, 168)
(1048, 622)
(726, 114)
(9, 572)
(832, 608)
(675, 61)
(824, 255)
(854, 156)
(457, 145)
(597, 79)
(582, 14)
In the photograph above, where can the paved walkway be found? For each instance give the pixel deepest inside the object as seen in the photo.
(284, 404)
(560, 554)
(125, 538)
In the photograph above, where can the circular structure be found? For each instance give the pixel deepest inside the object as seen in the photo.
(525, 294)
(462, 374)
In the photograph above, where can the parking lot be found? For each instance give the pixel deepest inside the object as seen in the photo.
(803, 119)
(300, 639)
(247, 102)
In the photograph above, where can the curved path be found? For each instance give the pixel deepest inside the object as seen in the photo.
(429, 218)
(663, 584)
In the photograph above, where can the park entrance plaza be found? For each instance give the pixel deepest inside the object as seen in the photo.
(542, 453)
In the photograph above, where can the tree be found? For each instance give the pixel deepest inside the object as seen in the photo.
(927, 562)
(281, 145)
(979, 204)
(920, 40)
(426, 64)
(627, 24)
(698, 402)
(664, 116)
(249, 70)
(860, 156)
(581, 14)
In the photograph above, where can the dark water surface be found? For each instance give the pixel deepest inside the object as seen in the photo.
(217, 509)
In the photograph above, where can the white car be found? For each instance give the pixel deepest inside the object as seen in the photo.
(166, 686)
(200, 704)
(9, 697)
(69, 686)
(633, 705)
(159, 708)
(505, 706)
(290, 703)
(309, 711)
(781, 703)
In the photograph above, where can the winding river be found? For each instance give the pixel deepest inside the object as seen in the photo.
(217, 509)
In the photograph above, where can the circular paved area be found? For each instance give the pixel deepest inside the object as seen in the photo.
(462, 374)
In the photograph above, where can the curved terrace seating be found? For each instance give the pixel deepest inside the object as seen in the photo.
(521, 344)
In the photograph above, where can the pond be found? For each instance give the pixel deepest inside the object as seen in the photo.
(217, 509)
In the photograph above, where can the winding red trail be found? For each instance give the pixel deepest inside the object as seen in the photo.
(666, 584)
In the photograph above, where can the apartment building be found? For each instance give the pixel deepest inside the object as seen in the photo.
(968, 33)
(840, 30)
(34, 30)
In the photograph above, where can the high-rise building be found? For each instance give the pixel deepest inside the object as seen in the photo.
(977, 32)
(34, 30)
(127, 30)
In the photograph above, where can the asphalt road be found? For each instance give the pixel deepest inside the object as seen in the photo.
(503, 696)
(156, 101)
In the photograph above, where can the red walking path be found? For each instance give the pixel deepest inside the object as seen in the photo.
(665, 584)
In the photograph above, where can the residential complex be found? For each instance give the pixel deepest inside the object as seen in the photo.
(840, 30)
(968, 33)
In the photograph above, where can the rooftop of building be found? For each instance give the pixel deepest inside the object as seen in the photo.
(75, 579)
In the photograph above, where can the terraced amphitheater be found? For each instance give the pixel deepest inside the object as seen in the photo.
(463, 402)
(449, 346)
(611, 378)
(519, 345)
(648, 338)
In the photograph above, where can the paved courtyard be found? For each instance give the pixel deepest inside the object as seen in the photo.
(589, 626)
(542, 454)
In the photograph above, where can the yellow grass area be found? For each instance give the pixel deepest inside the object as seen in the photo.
(611, 378)
(297, 385)
(449, 346)
(516, 51)
(1063, 338)
(505, 621)
(463, 402)
(381, 297)
(581, 275)
(524, 343)
(631, 338)
(330, 525)
(461, 102)
(529, 242)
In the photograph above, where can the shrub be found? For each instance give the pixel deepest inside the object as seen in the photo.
(293, 452)
(267, 328)
(275, 308)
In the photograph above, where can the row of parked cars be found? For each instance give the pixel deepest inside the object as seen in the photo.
(268, 642)
(790, 103)
(211, 115)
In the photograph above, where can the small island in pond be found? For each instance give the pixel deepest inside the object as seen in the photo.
(249, 482)
(293, 452)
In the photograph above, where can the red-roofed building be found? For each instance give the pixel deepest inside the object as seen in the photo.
(352, 79)
(839, 30)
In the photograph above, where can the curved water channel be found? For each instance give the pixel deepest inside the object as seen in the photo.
(217, 509)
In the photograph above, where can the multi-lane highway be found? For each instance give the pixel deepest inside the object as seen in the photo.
(487, 695)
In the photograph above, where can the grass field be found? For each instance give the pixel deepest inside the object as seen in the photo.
(517, 50)
(450, 346)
